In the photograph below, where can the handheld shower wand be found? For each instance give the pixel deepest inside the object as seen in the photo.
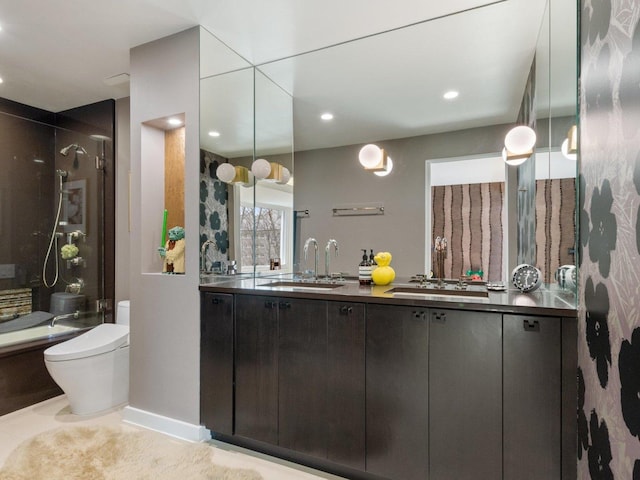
(54, 236)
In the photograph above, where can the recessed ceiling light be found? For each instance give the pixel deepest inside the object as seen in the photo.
(450, 95)
(175, 121)
(326, 116)
(1, 80)
(213, 133)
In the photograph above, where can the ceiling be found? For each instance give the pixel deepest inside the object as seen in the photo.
(60, 54)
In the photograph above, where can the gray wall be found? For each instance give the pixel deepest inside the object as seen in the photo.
(165, 328)
(333, 177)
(123, 167)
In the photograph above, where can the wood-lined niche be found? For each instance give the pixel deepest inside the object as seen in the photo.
(163, 168)
(174, 177)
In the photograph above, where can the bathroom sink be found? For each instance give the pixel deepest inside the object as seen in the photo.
(209, 278)
(304, 285)
(449, 290)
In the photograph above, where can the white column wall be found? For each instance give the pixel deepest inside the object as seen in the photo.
(165, 327)
(123, 167)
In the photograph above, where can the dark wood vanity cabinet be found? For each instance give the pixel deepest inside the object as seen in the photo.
(346, 384)
(300, 376)
(532, 397)
(434, 388)
(256, 365)
(397, 385)
(396, 391)
(465, 395)
(216, 362)
(321, 379)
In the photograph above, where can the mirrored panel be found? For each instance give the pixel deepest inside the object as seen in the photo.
(273, 215)
(389, 90)
(226, 139)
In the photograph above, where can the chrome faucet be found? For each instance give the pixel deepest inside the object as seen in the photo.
(203, 257)
(65, 316)
(327, 249)
(306, 250)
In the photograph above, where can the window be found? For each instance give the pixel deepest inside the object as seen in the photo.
(270, 223)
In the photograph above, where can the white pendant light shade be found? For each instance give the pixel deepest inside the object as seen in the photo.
(520, 140)
(286, 176)
(226, 172)
(518, 145)
(261, 168)
(370, 156)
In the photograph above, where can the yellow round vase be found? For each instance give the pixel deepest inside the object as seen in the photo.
(383, 274)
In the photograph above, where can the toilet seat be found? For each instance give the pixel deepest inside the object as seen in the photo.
(101, 339)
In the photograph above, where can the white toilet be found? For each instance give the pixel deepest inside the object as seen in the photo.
(93, 368)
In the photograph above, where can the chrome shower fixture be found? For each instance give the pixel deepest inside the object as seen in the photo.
(77, 149)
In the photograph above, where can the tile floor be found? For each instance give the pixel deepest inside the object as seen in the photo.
(18, 426)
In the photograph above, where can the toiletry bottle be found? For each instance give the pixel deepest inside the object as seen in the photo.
(372, 260)
(364, 269)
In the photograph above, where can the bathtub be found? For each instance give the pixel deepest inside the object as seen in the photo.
(34, 333)
(29, 320)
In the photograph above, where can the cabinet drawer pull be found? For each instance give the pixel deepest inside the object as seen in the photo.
(346, 310)
(269, 304)
(531, 325)
(418, 314)
(216, 301)
(439, 317)
(284, 305)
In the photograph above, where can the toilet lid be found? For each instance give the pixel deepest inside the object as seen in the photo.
(101, 339)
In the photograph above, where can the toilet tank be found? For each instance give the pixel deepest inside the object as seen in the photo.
(122, 314)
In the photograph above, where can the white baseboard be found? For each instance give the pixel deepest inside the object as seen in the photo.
(166, 425)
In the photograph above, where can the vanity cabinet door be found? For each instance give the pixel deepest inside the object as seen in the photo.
(397, 342)
(302, 376)
(465, 395)
(532, 402)
(216, 362)
(256, 355)
(346, 385)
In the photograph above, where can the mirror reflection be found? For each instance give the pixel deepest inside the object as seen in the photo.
(226, 133)
(426, 94)
(246, 222)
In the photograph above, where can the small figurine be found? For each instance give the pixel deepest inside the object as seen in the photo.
(475, 275)
(173, 251)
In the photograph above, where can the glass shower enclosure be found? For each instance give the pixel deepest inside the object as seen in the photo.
(52, 220)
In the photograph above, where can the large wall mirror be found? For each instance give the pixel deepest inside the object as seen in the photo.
(246, 225)
(388, 90)
(226, 134)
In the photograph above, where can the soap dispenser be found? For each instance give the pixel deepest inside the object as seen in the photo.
(364, 269)
(372, 260)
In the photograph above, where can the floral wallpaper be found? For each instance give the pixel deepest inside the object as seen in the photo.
(609, 312)
(214, 224)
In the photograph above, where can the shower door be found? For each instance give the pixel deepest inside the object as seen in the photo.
(56, 221)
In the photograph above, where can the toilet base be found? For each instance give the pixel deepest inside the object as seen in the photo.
(93, 384)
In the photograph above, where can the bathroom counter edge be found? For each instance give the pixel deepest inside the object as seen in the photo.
(541, 302)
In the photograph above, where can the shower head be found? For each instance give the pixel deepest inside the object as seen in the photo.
(77, 148)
